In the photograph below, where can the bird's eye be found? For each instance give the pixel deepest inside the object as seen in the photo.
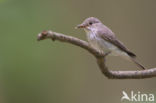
(90, 23)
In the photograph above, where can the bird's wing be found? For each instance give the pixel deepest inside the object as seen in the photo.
(109, 36)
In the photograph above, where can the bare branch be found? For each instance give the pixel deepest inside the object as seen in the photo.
(138, 74)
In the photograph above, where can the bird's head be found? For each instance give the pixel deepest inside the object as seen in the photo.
(89, 23)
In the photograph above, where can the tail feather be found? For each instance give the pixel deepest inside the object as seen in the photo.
(138, 64)
(131, 54)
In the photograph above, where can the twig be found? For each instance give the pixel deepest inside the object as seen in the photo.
(138, 74)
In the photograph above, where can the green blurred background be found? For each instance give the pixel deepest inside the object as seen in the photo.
(54, 72)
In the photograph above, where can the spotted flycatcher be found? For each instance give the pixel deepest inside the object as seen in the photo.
(103, 39)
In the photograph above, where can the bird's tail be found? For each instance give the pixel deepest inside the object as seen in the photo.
(137, 63)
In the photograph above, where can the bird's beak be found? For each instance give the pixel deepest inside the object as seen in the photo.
(80, 26)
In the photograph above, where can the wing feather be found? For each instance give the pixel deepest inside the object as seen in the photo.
(109, 36)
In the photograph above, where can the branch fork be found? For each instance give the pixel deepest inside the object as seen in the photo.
(137, 74)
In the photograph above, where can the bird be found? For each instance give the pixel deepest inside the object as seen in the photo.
(102, 38)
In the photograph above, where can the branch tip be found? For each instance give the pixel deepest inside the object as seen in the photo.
(43, 35)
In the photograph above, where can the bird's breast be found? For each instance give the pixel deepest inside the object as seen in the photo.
(97, 42)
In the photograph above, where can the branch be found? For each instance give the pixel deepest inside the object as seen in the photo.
(138, 74)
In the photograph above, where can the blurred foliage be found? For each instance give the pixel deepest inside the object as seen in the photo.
(54, 72)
